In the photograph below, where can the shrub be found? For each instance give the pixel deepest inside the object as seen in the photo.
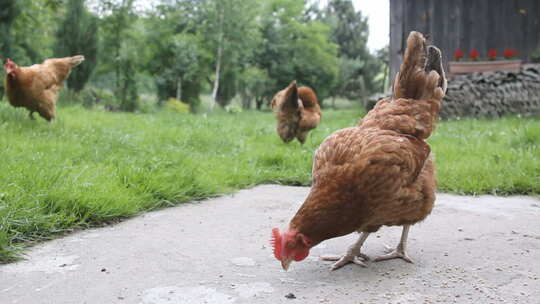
(92, 97)
(176, 105)
(233, 109)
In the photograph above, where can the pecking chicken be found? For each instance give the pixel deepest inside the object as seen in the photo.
(297, 112)
(379, 173)
(36, 87)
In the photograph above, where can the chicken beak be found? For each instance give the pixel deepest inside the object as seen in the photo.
(285, 263)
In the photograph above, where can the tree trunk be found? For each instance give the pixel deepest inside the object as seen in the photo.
(218, 61)
(259, 103)
(179, 89)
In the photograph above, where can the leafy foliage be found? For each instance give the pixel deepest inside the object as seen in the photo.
(9, 10)
(175, 55)
(253, 86)
(232, 34)
(176, 105)
(358, 67)
(184, 48)
(296, 48)
(120, 43)
(78, 35)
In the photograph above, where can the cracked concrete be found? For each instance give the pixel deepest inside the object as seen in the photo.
(470, 250)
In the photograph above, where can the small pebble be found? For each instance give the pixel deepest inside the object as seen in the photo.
(290, 296)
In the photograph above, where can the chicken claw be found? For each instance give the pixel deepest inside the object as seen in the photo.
(346, 259)
(399, 252)
(353, 255)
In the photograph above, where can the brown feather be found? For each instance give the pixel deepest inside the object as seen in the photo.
(297, 111)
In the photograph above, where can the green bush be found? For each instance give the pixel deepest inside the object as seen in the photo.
(176, 105)
(233, 108)
(93, 97)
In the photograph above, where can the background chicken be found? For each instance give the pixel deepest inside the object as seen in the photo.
(297, 112)
(377, 173)
(36, 87)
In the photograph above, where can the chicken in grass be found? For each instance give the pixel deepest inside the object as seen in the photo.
(297, 112)
(379, 173)
(36, 87)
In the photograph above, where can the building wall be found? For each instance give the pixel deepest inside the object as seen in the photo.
(466, 24)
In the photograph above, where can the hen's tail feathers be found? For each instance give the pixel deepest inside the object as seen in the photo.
(76, 60)
(434, 63)
(291, 96)
(421, 75)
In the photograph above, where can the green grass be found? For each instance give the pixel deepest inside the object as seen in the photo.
(91, 168)
(499, 157)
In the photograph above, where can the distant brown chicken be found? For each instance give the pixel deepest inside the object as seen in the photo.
(379, 173)
(297, 112)
(36, 87)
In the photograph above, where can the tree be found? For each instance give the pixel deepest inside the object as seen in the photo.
(19, 40)
(176, 54)
(78, 35)
(231, 33)
(296, 47)
(358, 68)
(28, 45)
(120, 47)
(252, 87)
(9, 10)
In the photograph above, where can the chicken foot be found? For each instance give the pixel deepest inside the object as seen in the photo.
(399, 252)
(353, 255)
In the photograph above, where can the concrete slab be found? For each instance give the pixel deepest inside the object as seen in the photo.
(470, 250)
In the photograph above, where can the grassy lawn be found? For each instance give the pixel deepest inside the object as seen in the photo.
(92, 167)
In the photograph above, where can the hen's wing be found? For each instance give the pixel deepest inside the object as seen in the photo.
(362, 156)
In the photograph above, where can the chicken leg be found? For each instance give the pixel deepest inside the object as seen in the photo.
(353, 254)
(399, 252)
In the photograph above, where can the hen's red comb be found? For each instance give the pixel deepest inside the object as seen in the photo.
(275, 241)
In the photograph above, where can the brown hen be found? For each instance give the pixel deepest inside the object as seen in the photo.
(36, 87)
(379, 173)
(297, 112)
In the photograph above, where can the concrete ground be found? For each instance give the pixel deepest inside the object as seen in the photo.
(470, 250)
